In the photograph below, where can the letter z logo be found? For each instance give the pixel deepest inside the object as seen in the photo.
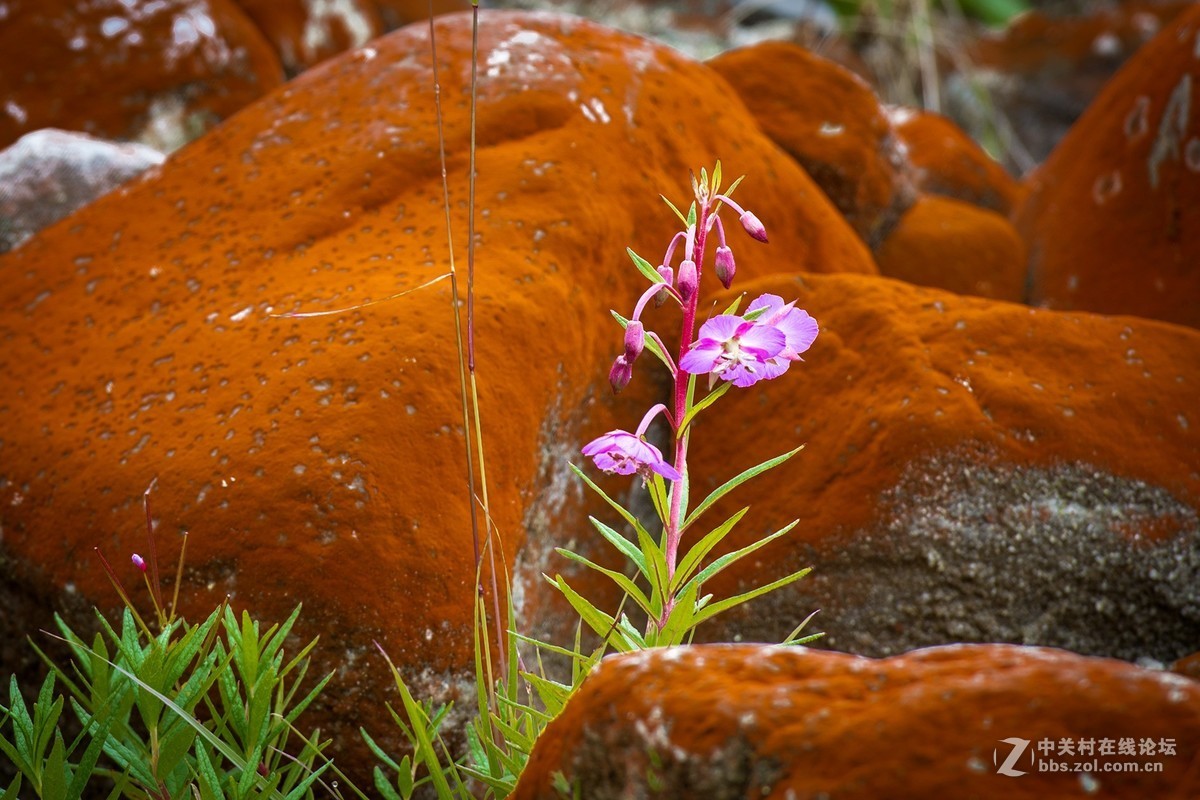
(1018, 747)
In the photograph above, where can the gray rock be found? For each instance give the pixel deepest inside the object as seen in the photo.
(49, 174)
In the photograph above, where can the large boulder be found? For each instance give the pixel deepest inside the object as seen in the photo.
(1112, 218)
(974, 471)
(321, 460)
(992, 722)
(158, 73)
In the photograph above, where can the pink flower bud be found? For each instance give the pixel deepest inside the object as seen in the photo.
(635, 340)
(753, 226)
(620, 374)
(725, 266)
(688, 281)
(138, 562)
(668, 275)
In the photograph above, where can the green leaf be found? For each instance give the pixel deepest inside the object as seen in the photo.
(628, 517)
(622, 544)
(724, 605)
(707, 401)
(691, 217)
(716, 178)
(794, 637)
(645, 267)
(597, 620)
(13, 789)
(419, 722)
(682, 218)
(54, 775)
(691, 560)
(733, 483)
(621, 580)
(724, 561)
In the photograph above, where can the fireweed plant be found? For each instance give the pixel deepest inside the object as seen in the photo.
(731, 350)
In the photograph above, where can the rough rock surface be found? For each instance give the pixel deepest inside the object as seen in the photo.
(49, 174)
(973, 471)
(745, 721)
(953, 245)
(320, 459)
(830, 121)
(944, 160)
(158, 73)
(1112, 218)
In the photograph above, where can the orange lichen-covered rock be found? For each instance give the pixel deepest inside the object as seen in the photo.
(160, 73)
(956, 246)
(946, 161)
(304, 32)
(993, 722)
(973, 471)
(320, 459)
(829, 120)
(1112, 218)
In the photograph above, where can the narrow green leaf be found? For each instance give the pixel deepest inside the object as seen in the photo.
(645, 267)
(724, 605)
(620, 579)
(692, 558)
(622, 544)
(418, 719)
(724, 561)
(628, 517)
(733, 483)
(54, 775)
(596, 619)
(691, 217)
(716, 178)
(14, 789)
(704, 403)
(682, 218)
(795, 638)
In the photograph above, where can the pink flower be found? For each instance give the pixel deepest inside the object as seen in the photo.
(734, 349)
(625, 453)
(138, 562)
(798, 327)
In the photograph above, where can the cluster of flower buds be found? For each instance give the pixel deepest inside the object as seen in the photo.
(684, 283)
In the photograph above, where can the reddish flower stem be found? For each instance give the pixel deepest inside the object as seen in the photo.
(688, 331)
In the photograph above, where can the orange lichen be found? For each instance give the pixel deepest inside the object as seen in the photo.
(161, 75)
(830, 121)
(953, 245)
(750, 721)
(946, 161)
(1112, 219)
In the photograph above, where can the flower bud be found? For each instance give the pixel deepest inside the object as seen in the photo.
(688, 281)
(138, 562)
(753, 226)
(620, 374)
(725, 266)
(668, 275)
(635, 340)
